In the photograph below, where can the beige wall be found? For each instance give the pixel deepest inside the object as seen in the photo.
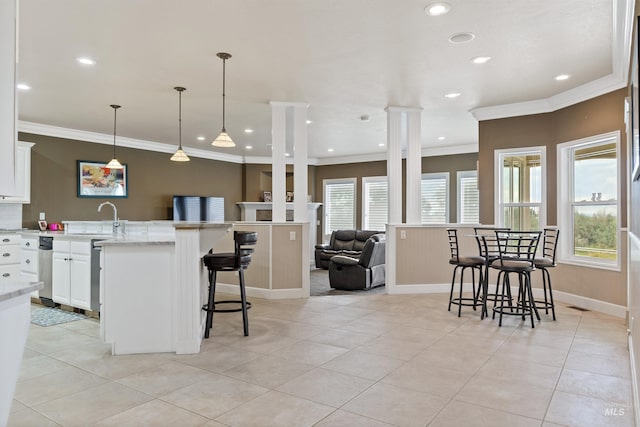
(593, 117)
(153, 180)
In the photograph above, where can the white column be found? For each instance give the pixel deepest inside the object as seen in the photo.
(414, 166)
(279, 167)
(8, 115)
(394, 163)
(300, 164)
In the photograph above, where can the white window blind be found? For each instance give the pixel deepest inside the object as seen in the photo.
(434, 200)
(468, 198)
(339, 205)
(375, 209)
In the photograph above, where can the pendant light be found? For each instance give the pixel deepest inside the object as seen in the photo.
(180, 155)
(114, 163)
(223, 140)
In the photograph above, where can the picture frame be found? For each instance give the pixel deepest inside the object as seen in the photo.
(634, 137)
(266, 196)
(42, 225)
(96, 180)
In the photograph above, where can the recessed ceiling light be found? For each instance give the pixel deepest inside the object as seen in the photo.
(452, 95)
(441, 138)
(381, 144)
(86, 61)
(330, 150)
(481, 59)
(562, 77)
(309, 122)
(23, 86)
(248, 130)
(462, 38)
(287, 154)
(437, 9)
(248, 147)
(201, 138)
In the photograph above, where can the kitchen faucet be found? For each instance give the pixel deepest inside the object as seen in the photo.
(116, 221)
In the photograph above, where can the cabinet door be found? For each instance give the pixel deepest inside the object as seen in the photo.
(60, 278)
(23, 175)
(80, 280)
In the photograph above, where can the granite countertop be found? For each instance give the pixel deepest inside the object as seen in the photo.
(16, 288)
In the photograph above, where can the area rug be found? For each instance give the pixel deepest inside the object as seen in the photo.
(53, 316)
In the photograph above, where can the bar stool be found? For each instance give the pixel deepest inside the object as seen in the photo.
(231, 261)
(489, 251)
(463, 262)
(548, 260)
(517, 253)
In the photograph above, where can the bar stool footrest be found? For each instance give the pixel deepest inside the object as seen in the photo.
(226, 310)
(462, 301)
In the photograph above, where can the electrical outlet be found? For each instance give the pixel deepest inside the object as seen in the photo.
(292, 235)
(403, 234)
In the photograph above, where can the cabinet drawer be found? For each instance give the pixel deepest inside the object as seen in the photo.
(29, 261)
(9, 272)
(30, 243)
(81, 247)
(10, 239)
(9, 254)
(61, 245)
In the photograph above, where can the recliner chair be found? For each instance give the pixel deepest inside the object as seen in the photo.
(366, 272)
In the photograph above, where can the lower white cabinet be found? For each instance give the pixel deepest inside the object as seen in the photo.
(9, 257)
(29, 261)
(71, 273)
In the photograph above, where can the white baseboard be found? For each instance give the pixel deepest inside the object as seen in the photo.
(260, 292)
(577, 300)
(634, 382)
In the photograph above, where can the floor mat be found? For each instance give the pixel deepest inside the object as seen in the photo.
(53, 316)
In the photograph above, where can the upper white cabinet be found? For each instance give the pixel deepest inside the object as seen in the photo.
(23, 175)
(8, 115)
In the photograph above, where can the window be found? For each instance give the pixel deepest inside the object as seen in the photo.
(468, 197)
(339, 205)
(434, 198)
(375, 203)
(589, 201)
(520, 181)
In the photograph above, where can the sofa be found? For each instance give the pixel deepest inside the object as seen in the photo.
(366, 272)
(343, 242)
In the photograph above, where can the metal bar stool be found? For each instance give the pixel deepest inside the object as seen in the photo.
(230, 261)
(517, 252)
(548, 260)
(462, 263)
(489, 251)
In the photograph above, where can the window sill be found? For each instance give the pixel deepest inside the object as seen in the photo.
(588, 264)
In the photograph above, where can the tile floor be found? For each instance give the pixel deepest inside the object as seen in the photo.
(366, 360)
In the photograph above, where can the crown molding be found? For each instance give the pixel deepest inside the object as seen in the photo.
(100, 138)
(623, 19)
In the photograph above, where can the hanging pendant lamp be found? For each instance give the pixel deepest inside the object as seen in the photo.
(180, 155)
(114, 163)
(223, 140)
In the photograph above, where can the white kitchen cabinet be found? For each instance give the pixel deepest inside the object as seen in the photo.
(71, 273)
(23, 175)
(9, 257)
(29, 260)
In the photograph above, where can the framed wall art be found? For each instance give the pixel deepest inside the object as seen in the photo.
(95, 179)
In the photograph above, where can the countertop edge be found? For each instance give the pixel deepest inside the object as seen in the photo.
(17, 288)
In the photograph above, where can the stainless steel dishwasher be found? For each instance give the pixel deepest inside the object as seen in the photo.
(45, 258)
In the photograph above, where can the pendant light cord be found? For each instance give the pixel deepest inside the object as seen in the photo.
(180, 118)
(224, 62)
(115, 119)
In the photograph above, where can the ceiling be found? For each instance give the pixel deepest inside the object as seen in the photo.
(345, 58)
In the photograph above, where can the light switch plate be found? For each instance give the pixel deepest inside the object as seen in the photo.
(42, 218)
(292, 235)
(403, 234)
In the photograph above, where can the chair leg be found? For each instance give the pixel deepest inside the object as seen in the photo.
(461, 282)
(548, 281)
(243, 298)
(532, 302)
(544, 290)
(211, 303)
(453, 281)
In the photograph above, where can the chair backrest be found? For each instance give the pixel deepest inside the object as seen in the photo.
(550, 243)
(243, 239)
(486, 240)
(452, 234)
(373, 252)
(517, 245)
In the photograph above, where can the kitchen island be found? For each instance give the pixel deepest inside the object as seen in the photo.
(152, 289)
(15, 315)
